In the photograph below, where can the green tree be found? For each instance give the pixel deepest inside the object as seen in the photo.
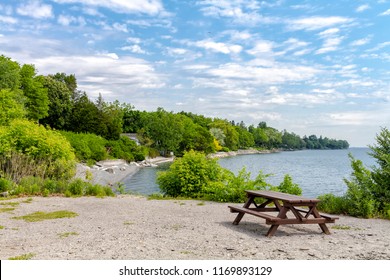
(381, 173)
(85, 116)
(69, 80)
(9, 74)
(231, 140)
(245, 138)
(10, 107)
(37, 101)
(165, 129)
(195, 137)
(60, 106)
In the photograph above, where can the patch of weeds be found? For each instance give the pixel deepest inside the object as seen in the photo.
(40, 216)
(176, 227)
(2, 227)
(127, 223)
(13, 204)
(341, 227)
(28, 200)
(201, 203)
(8, 209)
(23, 257)
(186, 252)
(67, 234)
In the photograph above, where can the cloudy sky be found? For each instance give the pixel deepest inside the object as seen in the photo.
(311, 67)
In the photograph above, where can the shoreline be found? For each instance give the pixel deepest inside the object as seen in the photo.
(112, 172)
(242, 152)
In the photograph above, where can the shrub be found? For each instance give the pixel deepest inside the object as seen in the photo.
(287, 186)
(35, 141)
(332, 204)
(77, 187)
(87, 146)
(188, 175)
(28, 149)
(5, 185)
(196, 176)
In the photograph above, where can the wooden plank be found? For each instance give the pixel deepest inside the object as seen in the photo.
(297, 221)
(282, 196)
(254, 213)
(327, 216)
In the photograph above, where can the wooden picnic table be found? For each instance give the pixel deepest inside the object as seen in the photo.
(283, 204)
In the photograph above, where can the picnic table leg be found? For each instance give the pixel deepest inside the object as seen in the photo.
(272, 230)
(282, 215)
(323, 226)
(241, 214)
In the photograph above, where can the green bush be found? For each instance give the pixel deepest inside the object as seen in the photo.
(77, 187)
(29, 149)
(332, 204)
(124, 148)
(196, 176)
(91, 148)
(189, 175)
(5, 185)
(87, 146)
(34, 140)
(287, 186)
(31, 185)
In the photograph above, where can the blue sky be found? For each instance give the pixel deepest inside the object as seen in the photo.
(310, 67)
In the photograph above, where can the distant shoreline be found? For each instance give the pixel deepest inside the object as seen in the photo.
(243, 152)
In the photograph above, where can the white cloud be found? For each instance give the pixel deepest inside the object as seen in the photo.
(120, 27)
(7, 19)
(385, 13)
(331, 40)
(253, 75)
(219, 47)
(261, 48)
(352, 118)
(134, 49)
(361, 42)
(67, 20)
(133, 40)
(242, 12)
(292, 44)
(330, 44)
(176, 51)
(362, 8)
(317, 22)
(151, 7)
(35, 9)
(105, 72)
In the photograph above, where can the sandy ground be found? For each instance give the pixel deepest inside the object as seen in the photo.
(133, 227)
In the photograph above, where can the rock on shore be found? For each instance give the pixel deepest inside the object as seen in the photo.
(111, 172)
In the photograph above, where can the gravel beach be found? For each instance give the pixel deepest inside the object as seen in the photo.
(133, 227)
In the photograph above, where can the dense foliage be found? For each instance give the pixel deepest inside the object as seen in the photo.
(196, 176)
(368, 193)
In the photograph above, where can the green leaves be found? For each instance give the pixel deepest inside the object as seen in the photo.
(196, 176)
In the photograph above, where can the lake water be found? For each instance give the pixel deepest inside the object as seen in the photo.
(315, 171)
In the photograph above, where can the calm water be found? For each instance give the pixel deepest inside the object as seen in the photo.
(316, 172)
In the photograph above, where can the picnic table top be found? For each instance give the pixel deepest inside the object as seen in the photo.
(290, 198)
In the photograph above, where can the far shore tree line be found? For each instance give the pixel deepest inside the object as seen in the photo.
(54, 101)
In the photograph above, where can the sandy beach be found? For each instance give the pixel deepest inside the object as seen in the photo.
(133, 227)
